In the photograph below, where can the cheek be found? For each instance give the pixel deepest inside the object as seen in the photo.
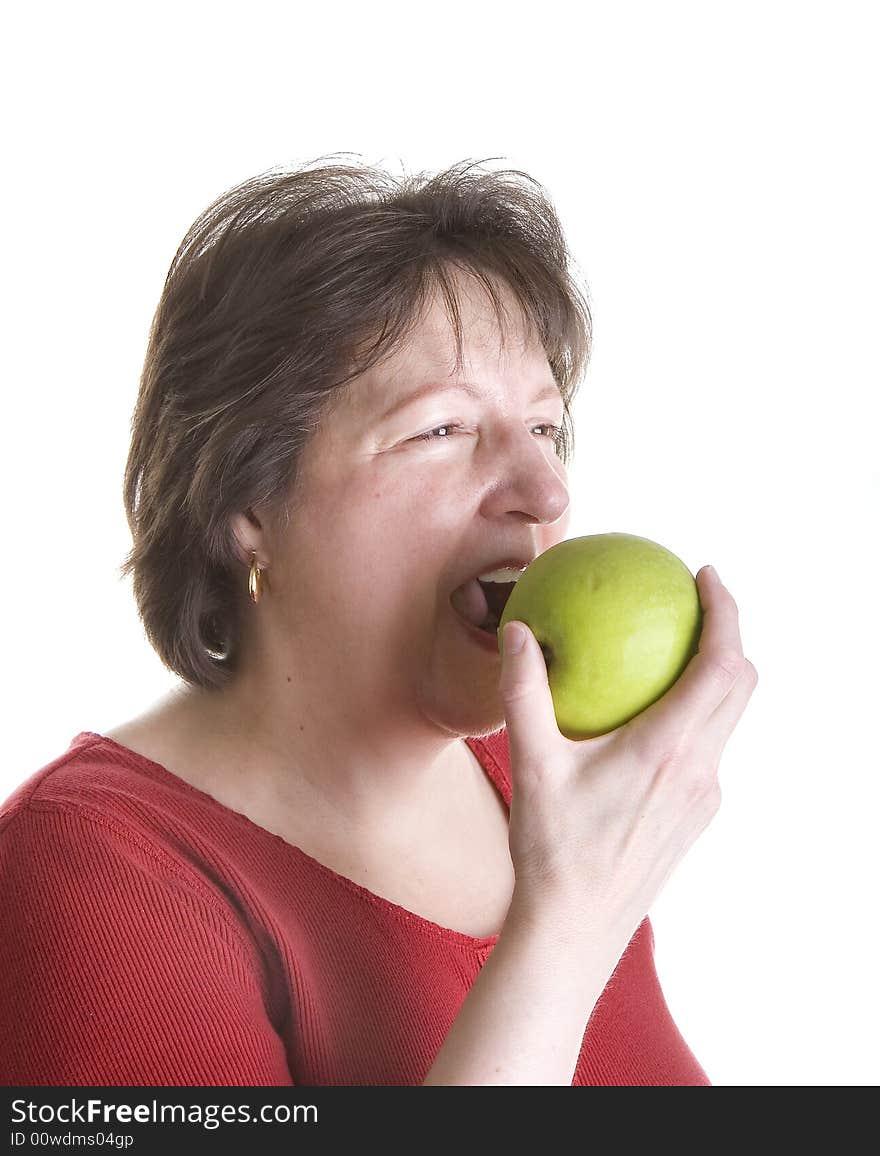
(376, 532)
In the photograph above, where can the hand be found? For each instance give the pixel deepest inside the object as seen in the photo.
(598, 825)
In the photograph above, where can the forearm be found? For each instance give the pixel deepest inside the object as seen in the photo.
(523, 1020)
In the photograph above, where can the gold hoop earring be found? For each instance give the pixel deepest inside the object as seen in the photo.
(254, 583)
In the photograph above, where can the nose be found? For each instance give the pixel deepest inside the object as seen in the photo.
(527, 478)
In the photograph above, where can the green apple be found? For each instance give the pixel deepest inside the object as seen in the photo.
(618, 618)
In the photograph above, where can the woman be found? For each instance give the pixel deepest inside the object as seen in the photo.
(352, 847)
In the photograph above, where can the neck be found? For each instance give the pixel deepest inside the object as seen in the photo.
(286, 747)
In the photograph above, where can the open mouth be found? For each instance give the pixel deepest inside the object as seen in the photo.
(481, 601)
(496, 594)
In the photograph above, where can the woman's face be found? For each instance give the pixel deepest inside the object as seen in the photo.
(389, 523)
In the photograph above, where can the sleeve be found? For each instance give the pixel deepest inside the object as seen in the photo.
(118, 969)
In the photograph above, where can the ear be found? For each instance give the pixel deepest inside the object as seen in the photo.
(249, 536)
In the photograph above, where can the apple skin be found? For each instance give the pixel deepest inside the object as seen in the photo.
(618, 618)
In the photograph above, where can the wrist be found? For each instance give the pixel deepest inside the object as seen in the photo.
(561, 920)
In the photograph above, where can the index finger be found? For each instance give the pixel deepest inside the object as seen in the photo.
(720, 636)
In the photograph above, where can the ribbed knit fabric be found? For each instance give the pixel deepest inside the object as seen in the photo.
(152, 936)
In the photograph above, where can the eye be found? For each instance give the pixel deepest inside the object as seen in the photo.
(434, 434)
(555, 431)
(449, 428)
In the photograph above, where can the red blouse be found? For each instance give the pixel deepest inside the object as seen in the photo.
(151, 936)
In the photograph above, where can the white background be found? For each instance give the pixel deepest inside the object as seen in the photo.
(715, 169)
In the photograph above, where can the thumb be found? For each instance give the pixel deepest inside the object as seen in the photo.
(525, 691)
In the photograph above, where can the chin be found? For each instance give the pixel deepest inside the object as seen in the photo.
(474, 717)
(458, 687)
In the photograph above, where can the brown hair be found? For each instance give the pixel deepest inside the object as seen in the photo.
(283, 290)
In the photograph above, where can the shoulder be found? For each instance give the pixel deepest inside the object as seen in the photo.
(90, 832)
(98, 804)
(118, 941)
(86, 787)
(92, 779)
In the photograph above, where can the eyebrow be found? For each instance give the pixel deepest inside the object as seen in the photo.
(547, 393)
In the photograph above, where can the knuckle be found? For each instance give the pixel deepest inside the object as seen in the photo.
(728, 666)
(515, 691)
(664, 748)
(713, 797)
(729, 599)
(703, 791)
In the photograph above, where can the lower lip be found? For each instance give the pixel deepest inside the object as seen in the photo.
(480, 637)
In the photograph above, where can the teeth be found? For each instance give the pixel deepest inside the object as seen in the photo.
(505, 575)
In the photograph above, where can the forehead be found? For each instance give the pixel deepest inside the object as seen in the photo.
(430, 349)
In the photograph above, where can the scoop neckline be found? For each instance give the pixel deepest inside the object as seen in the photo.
(380, 901)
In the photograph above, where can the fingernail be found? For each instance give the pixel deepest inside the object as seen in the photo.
(514, 637)
(712, 571)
